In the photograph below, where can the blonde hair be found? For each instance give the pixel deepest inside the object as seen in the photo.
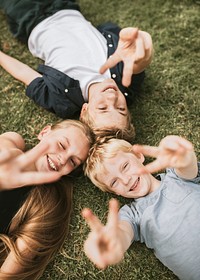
(103, 149)
(79, 124)
(42, 223)
(127, 133)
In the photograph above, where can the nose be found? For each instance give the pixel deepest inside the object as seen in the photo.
(63, 157)
(111, 97)
(125, 179)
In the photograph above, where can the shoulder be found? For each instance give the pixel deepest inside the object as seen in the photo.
(56, 92)
(11, 140)
(171, 175)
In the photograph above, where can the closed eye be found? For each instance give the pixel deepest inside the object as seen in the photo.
(121, 109)
(102, 108)
(61, 146)
(125, 166)
(113, 183)
(75, 162)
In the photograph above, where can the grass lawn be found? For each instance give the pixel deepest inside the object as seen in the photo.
(168, 104)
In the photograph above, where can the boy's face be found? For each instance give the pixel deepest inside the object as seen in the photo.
(121, 175)
(68, 148)
(107, 105)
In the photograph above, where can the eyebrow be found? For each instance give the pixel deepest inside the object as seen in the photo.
(121, 113)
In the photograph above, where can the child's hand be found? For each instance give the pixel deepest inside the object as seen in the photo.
(13, 173)
(135, 49)
(103, 245)
(173, 151)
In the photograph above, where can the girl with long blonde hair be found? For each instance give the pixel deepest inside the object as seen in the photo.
(34, 220)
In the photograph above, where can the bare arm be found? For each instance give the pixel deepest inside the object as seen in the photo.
(17, 69)
(107, 244)
(173, 151)
(135, 49)
(11, 265)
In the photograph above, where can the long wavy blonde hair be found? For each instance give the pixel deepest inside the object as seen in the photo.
(42, 223)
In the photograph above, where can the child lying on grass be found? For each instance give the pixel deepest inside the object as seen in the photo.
(164, 212)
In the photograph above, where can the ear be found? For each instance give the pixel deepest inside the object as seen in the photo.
(140, 156)
(84, 109)
(44, 132)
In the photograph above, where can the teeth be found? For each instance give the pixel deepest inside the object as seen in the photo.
(135, 184)
(52, 165)
(109, 89)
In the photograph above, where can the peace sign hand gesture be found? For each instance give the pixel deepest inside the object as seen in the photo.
(135, 49)
(173, 151)
(13, 168)
(104, 245)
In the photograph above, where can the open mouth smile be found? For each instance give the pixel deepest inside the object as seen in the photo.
(134, 186)
(110, 88)
(51, 164)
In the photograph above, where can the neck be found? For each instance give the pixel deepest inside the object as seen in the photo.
(155, 184)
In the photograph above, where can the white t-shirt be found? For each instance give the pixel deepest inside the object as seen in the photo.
(69, 43)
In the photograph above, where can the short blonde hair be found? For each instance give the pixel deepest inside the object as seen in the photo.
(103, 149)
(127, 133)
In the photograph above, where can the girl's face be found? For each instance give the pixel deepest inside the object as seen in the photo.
(68, 148)
(121, 176)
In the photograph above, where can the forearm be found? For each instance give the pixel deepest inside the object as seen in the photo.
(11, 264)
(17, 69)
(126, 235)
(189, 171)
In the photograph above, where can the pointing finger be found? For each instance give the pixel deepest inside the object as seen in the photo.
(92, 220)
(113, 213)
(31, 156)
(139, 50)
(128, 33)
(127, 73)
(146, 150)
(111, 61)
(175, 143)
(153, 167)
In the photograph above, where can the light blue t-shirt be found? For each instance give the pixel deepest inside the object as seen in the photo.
(168, 221)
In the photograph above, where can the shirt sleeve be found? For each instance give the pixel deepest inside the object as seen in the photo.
(171, 172)
(130, 214)
(56, 92)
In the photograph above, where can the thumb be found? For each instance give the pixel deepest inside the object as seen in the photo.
(128, 33)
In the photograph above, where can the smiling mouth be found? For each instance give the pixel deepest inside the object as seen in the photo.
(51, 164)
(110, 88)
(135, 184)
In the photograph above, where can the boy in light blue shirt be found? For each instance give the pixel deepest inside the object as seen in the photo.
(164, 213)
